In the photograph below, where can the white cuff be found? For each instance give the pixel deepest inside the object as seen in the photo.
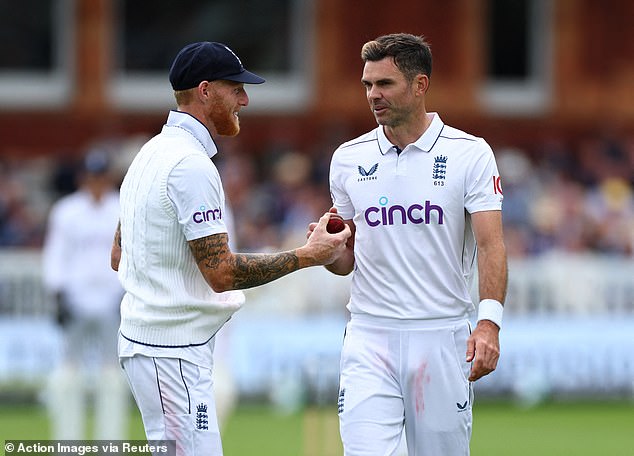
(490, 309)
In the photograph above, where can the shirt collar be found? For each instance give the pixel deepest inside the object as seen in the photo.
(195, 128)
(424, 143)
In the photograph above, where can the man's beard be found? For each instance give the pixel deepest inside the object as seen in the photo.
(223, 118)
(226, 124)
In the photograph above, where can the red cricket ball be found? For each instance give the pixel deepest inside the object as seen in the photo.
(335, 224)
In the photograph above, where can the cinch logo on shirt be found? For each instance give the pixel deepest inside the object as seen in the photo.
(416, 214)
(204, 215)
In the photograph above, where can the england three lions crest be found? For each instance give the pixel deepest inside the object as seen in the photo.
(439, 170)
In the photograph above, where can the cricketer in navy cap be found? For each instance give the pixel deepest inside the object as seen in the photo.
(208, 61)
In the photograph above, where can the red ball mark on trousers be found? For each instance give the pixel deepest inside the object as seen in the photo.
(420, 380)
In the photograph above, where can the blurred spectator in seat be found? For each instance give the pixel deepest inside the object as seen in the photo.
(610, 207)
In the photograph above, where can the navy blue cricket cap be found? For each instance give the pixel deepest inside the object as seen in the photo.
(208, 61)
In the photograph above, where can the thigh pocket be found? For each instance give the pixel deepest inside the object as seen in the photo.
(459, 336)
(172, 378)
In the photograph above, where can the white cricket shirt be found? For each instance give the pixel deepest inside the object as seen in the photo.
(414, 246)
(76, 253)
(171, 194)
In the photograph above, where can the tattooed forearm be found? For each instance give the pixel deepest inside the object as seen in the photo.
(257, 269)
(225, 270)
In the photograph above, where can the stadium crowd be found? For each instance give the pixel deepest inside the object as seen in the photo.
(558, 196)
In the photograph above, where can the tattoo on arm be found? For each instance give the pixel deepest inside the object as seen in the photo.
(246, 270)
(253, 269)
(115, 251)
(210, 250)
(117, 235)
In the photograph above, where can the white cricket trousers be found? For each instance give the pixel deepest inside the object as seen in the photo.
(176, 401)
(408, 375)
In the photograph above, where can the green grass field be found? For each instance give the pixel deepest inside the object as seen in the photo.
(557, 429)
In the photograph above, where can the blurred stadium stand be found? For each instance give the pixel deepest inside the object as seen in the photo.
(569, 327)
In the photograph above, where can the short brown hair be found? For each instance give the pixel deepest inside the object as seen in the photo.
(411, 53)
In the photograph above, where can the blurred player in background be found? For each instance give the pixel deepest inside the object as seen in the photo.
(172, 253)
(418, 196)
(87, 294)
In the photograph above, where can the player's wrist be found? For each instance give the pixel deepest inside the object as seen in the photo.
(306, 257)
(491, 310)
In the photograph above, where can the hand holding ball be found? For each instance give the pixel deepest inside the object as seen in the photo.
(335, 224)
